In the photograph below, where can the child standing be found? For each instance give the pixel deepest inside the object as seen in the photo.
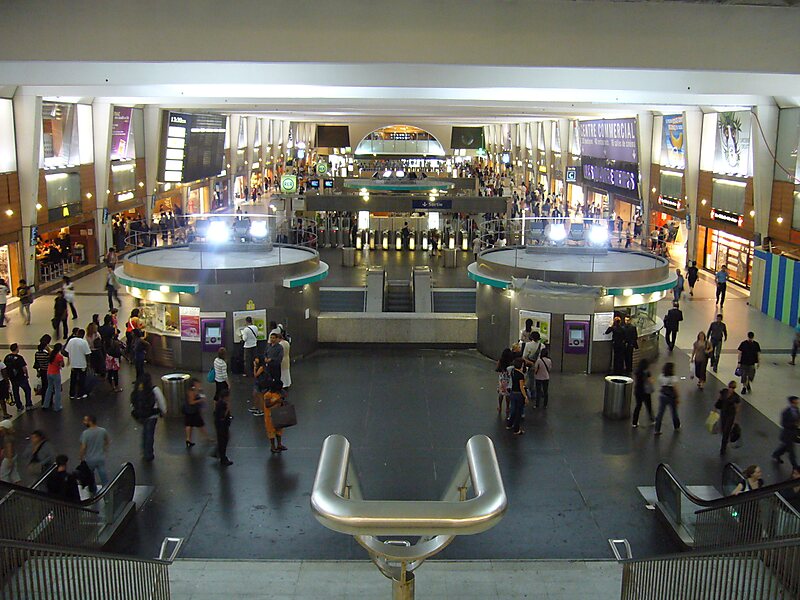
(273, 398)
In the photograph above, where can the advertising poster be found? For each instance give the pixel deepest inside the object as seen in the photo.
(259, 320)
(541, 323)
(602, 321)
(732, 152)
(674, 142)
(120, 133)
(611, 139)
(190, 323)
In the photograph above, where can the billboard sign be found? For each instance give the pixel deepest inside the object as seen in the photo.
(673, 145)
(611, 139)
(121, 133)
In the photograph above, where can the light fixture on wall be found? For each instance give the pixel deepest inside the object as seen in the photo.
(752, 213)
(779, 220)
(88, 195)
(38, 206)
(653, 190)
(141, 184)
(703, 201)
(9, 212)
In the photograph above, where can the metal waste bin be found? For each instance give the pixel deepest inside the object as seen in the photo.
(617, 399)
(175, 386)
(348, 257)
(450, 259)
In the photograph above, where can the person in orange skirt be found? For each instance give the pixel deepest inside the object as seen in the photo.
(272, 398)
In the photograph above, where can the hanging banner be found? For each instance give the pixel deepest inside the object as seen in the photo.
(612, 139)
(190, 323)
(732, 152)
(673, 142)
(120, 133)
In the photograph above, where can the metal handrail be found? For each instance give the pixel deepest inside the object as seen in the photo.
(336, 500)
(337, 503)
(762, 571)
(33, 546)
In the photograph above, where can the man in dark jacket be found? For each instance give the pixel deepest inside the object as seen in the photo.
(62, 483)
(671, 324)
(631, 343)
(790, 418)
(717, 332)
(60, 314)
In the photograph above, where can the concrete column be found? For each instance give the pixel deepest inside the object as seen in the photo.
(252, 123)
(563, 130)
(28, 134)
(764, 141)
(645, 156)
(102, 112)
(547, 128)
(152, 143)
(234, 121)
(693, 130)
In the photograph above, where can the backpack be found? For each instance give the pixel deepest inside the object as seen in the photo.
(142, 403)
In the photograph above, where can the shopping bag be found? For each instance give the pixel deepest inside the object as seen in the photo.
(691, 369)
(712, 422)
(736, 433)
(283, 415)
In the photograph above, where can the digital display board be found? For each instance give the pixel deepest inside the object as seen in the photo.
(193, 146)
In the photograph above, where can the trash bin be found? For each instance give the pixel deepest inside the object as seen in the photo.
(617, 399)
(175, 386)
(348, 257)
(450, 259)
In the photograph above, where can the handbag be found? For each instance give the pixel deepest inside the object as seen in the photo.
(691, 369)
(712, 422)
(738, 371)
(736, 433)
(212, 375)
(283, 416)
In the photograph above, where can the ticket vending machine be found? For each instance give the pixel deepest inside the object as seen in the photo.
(575, 346)
(212, 333)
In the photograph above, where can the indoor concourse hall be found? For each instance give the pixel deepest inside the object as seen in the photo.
(405, 194)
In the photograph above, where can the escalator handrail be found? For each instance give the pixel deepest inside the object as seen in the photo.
(32, 546)
(725, 501)
(717, 552)
(83, 504)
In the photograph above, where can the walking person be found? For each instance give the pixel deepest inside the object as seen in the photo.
(752, 481)
(222, 425)
(502, 368)
(55, 363)
(518, 397)
(141, 348)
(541, 376)
(41, 359)
(112, 288)
(68, 287)
(42, 455)
(273, 398)
(677, 291)
(78, 351)
(795, 342)
(193, 412)
(249, 334)
(60, 315)
(668, 397)
(94, 448)
(4, 292)
(790, 421)
(642, 391)
(721, 278)
(220, 372)
(717, 332)
(17, 373)
(147, 405)
(749, 351)
(8, 464)
(728, 404)
(25, 295)
(692, 275)
(672, 322)
(701, 350)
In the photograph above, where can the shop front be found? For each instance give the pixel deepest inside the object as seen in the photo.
(198, 199)
(670, 213)
(720, 248)
(62, 250)
(10, 260)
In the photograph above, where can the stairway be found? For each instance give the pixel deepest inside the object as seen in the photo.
(398, 296)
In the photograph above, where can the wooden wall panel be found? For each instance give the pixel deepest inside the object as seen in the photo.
(9, 198)
(782, 206)
(41, 198)
(88, 205)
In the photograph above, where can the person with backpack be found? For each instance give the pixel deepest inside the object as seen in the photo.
(17, 370)
(141, 348)
(54, 365)
(147, 404)
(25, 295)
(541, 376)
(529, 356)
(113, 356)
(40, 361)
(60, 314)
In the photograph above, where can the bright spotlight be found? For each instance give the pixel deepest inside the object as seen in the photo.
(258, 229)
(387, 173)
(218, 232)
(598, 235)
(557, 232)
(400, 173)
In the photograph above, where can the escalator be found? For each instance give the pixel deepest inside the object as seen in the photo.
(716, 520)
(399, 296)
(32, 515)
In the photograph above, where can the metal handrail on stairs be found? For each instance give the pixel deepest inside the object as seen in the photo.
(30, 570)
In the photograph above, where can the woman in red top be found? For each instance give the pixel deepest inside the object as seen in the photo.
(54, 366)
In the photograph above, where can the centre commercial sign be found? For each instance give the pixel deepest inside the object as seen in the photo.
(610, 139)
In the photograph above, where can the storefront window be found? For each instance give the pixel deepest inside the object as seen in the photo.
(123, 177)
(63, 195)
(724, 249)
(5, 265)
(159, 317)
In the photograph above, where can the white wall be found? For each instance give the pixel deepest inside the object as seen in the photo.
(8, 148)
(85, 134)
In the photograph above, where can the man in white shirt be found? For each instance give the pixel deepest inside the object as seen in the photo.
(250, 342)
(530, 355)
(78, 351)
